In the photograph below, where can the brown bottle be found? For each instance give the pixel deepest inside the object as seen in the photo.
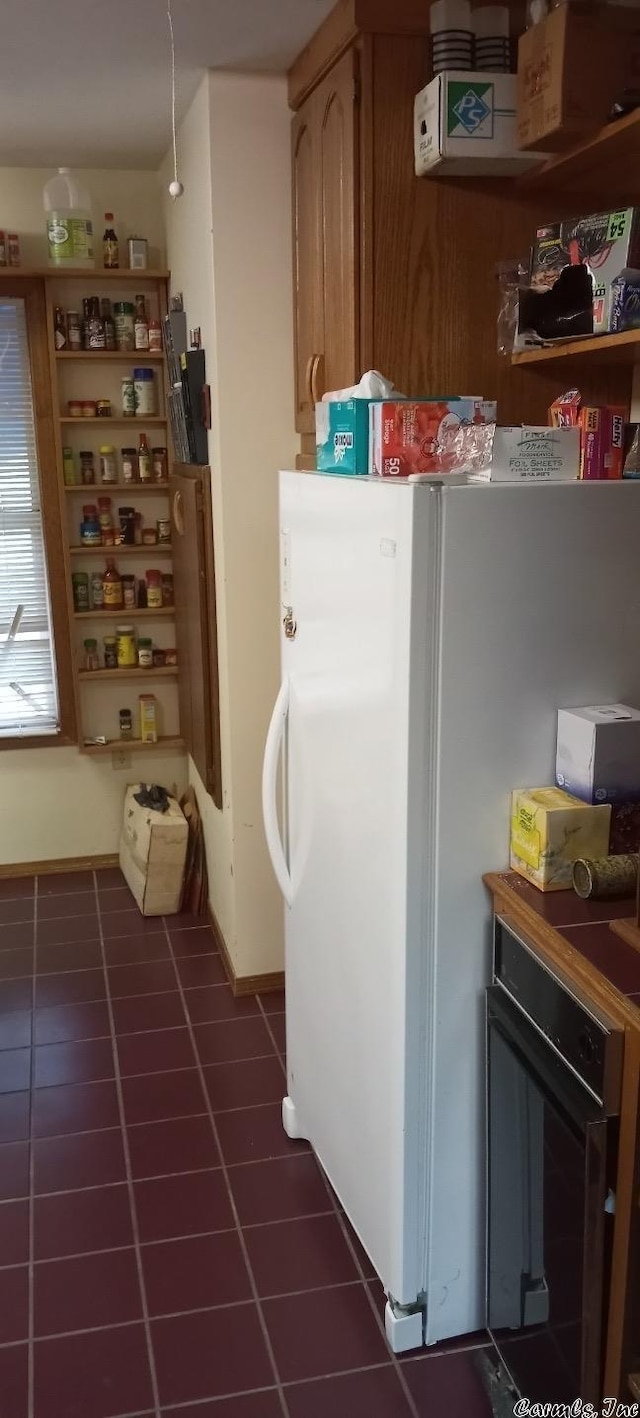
(144, 459)
(112, 588)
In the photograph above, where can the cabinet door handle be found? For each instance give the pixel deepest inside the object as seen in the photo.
(317, 378)
(307, 378)
(178, 515)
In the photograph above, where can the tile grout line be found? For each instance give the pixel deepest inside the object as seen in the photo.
(279, 1055)
(234, 1211)
(127, 1163)
(31, 1276)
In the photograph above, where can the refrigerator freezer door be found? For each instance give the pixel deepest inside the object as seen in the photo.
(347, 583)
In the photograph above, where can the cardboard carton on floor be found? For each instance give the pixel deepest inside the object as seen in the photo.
(153, 851)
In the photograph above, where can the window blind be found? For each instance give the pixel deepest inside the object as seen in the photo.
(28, 690)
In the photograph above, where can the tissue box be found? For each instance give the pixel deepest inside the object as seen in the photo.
(153, 852)
(342, 436)
(429, 435)
(465, 123)
(598, 753)
(550, 829)
(534, 454)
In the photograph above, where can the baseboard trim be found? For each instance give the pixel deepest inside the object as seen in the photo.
(48, 868)
(244, 984)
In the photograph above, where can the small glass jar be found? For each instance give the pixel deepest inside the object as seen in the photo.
(104, 514)
(110, 652)
(127, 518)
(160, 465)
(123, 317)
(80, 584)
(126, 724)
(128, 397)
(129, 465)
(126, 646)
(108, 463)
(129, 592)
(171, 657)
(91, 657)
(103, 408)
(149, 537)
(87, 468)
(159, 659)
(145, 653)
(89, 408)
(74, 330)
(74, 408)
(154, 589)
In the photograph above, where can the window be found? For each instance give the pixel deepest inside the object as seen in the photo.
(35, 701)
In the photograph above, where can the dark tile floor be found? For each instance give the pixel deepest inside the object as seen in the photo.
(164, 1249)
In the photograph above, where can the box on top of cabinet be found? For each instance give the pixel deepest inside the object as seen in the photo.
(572, 67)
(598, 752)
(342, 436)
(550, 830)
(465, 123)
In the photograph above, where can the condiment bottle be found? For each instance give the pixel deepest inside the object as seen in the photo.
(74, 330)
(110, 253)
(91, 659)
(160, 465)
(97, 591)
(141, 325)
(94, 335)
(155, 337)
(112, 588)
(59, 329)
(144, 459)
(154, 589)
(108, 464)
(109, 324)
(126, 645)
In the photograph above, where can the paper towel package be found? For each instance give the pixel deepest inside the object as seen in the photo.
(153, 852)
(598, 753)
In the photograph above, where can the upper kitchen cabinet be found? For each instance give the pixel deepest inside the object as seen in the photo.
(325, 219)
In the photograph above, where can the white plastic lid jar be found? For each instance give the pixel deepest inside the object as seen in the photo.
(145, 391)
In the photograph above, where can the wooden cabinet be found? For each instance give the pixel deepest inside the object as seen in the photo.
(324, 216)
(196, 625)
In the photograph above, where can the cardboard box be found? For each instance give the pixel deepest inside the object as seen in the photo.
(550, 830)
(598, 753)
(607, 242)
(465, 123)
(408, 437)
(601, 442)
(153, 852)
(572, 67)
(533, 454)
(342, 436)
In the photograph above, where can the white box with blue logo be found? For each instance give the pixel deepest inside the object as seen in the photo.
(465, 123)
(342, 436)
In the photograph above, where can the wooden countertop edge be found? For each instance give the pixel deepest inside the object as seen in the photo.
(559, 952)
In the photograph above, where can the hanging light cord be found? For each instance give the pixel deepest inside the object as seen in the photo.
(175, 188)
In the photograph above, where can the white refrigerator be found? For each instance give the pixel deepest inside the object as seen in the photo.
(429, 633)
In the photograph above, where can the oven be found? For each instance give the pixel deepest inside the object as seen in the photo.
(554, 1077)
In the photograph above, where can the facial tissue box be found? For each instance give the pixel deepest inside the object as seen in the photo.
(598, 753)
(550, 830)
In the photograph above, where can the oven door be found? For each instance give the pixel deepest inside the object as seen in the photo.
(550, 1161)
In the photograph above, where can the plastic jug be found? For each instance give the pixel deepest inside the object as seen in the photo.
(69, 227)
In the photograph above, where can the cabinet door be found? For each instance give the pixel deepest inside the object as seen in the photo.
(335, 100)
(196, 629)
(307, 259)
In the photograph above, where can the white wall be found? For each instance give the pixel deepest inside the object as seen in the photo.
(240, 260)
(55, 802)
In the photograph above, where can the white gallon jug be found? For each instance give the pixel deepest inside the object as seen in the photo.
(69, 227)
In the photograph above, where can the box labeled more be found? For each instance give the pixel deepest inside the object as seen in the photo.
(342, 436)
(465, 123)
(598, 753)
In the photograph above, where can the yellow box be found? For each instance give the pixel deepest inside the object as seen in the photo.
(148, 718)
(550, 829)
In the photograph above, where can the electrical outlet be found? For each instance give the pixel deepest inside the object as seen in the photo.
(121, 758)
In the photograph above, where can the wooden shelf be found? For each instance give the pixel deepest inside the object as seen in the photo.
(86, 489)
(133, 746)
(605, 349)
(84, 273)
(132, 612)
(135, 672)
(96, 356)
(603, 169)
(115, 552)
(94, 421)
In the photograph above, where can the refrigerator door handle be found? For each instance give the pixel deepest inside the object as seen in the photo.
(272, 749)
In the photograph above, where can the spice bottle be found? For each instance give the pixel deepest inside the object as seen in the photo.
(167, 588)
(110, 253)
(110, 652)
(145, 653)
(126, 724)
(141, 325)
(112, 588)
(160, 465)
(68, 467)
(87, 467)
(144, 459)
(128, 397)
(74, 330)
(97, 591)
(145, 390)
(91, 659)
(108, 464)
(129, 592)
(59, 328)
(127, 516)
(154, 589)
(126, 645)
(129, 465)
(123, 318)
(13, 249)
(109, 324)
(80, 584)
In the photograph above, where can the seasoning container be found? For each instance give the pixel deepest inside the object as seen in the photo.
(74, 330)
(108, 463)
(605, 876)
(126, 641)
(112, 587)
(163, 527)
(104, 514)
(128, 397)
(126, 724)
(155, 337)
(13, 249)
(144, 459)
(148, 718)
(123, 318)
(160, 465)
(167, 588)
(127, 516)
(89, 408)
(145, 653)
(87, 467)
(141, 325)
(142, 595)
(103, 408)
(145, 390)
(171, 657)
(90, 533)
(158, 659)
(97, 591)
(74, 408)
(68, 467)
(129, 592)
(80, 586)
(138, 530)
(59, 329)
(154, 589)
(91, 658)
(109, 324)
(110, 652)
(149, 537)
(129, 464)
(137, 253)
